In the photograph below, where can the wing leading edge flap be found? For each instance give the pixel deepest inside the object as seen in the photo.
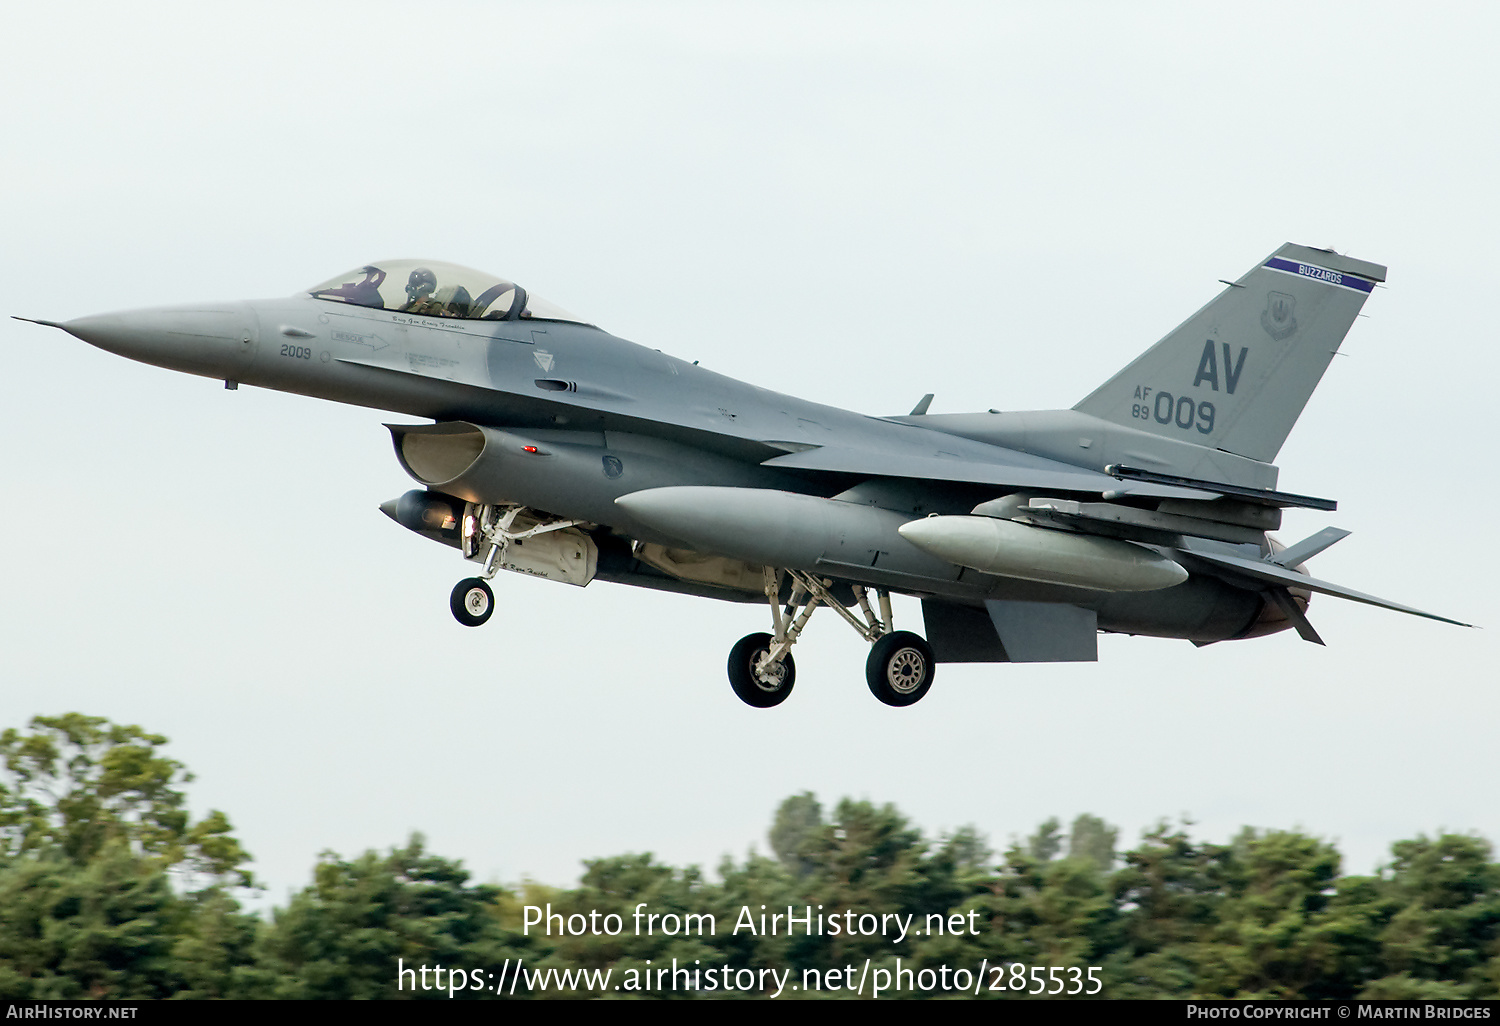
(1269, 573)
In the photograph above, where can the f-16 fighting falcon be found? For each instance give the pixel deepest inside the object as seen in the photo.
(552, 448)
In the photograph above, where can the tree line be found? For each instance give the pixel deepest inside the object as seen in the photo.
(110, 889)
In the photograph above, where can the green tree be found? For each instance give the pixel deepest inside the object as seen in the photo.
(1280, 934)
(215, 950)
(75, 784)
(1168, 893)
(870, 859)
(100, 930)
(798, 821)
(670, 930)
(1047, 842)
(968, 849)
(349, 933)
(762, 881)
(1055, 912)
(1441, 938)
(108, 888)
(1093, 840)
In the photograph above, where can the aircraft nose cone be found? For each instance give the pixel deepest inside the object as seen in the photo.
(212, 340)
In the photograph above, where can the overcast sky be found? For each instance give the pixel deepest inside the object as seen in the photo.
(853, 203)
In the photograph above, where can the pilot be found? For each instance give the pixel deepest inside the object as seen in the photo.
(420, 286)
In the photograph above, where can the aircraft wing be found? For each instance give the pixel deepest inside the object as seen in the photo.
(1268, 573)
(1024, 471)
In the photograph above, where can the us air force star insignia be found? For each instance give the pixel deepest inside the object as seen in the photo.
(1277, 317)
(543, 360)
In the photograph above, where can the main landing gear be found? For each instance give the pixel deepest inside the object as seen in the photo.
(761, 670)
(486, 535)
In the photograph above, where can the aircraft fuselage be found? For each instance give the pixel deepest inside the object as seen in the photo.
(582, 395)
(552, 448)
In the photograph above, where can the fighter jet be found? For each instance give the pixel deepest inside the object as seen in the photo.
(551, 448)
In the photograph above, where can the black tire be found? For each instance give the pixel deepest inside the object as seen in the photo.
(743, 657)
(472, 602)
(899, 670)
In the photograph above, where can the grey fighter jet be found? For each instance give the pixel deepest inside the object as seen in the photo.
(552, 448)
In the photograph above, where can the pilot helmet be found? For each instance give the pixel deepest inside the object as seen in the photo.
(421, 283)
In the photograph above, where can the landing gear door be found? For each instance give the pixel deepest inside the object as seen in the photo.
(569, 556)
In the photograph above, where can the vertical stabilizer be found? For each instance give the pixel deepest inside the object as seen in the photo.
(1236, 375)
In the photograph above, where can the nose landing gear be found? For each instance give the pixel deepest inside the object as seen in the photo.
(472, 602)
(486, 535)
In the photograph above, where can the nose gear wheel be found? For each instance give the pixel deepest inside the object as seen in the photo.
(472, 602)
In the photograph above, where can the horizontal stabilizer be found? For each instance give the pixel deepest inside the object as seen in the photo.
(1269, 573)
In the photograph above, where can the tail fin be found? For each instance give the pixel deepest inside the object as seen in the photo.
(1236, 375)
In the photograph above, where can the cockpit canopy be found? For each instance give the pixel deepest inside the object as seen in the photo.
(434, 289)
